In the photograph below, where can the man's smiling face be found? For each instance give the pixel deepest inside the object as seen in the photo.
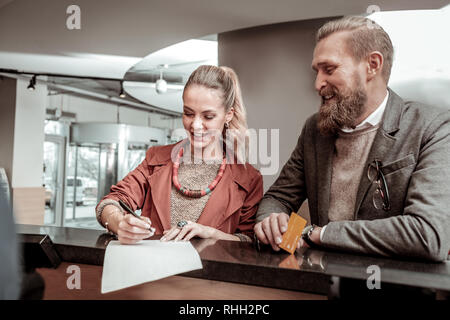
(340, 81)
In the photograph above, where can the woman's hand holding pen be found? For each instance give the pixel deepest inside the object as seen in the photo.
(132, 230)
(129, 229)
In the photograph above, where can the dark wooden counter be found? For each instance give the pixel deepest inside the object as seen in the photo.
(232, 261)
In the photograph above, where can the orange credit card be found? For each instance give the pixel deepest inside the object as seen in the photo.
(292, 236)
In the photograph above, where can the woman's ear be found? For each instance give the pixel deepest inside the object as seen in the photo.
(229, 115)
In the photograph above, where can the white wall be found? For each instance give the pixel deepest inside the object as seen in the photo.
(28, 135)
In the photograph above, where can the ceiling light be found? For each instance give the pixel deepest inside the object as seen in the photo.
(32, 83)
(122, 93)
(161, 84)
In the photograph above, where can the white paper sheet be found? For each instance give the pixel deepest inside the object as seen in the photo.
(129, 265)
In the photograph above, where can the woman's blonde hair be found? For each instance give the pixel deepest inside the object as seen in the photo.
(226, 81)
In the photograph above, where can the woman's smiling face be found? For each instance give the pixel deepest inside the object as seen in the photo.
(204, 115)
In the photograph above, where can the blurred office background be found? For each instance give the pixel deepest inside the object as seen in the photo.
(79, 108)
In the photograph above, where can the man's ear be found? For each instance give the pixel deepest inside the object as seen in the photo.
(375, 62)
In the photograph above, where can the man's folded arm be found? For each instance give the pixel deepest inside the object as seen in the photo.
(423, 231)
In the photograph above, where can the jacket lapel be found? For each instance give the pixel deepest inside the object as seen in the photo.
(160, 181)
(224, 201)
(160, 185)
(324, 169)
(382, 144)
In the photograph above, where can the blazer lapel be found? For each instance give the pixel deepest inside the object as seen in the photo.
(325, 152)
(160, 185)
(382, 144)
(224, 201)
(160, 181)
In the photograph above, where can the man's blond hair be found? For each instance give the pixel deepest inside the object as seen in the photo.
(365, 37)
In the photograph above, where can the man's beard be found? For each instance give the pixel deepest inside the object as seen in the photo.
(340, 112)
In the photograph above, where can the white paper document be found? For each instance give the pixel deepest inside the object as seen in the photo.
(129, 265)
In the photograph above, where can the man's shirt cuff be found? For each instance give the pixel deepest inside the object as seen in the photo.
(321, 233)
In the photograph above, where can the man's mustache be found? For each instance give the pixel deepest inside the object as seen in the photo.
(328, 91)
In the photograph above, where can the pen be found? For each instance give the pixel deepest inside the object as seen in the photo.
(127, 208)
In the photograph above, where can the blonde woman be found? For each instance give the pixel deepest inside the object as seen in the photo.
(199, 187)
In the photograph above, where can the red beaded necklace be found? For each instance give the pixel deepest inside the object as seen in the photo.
(195, 193)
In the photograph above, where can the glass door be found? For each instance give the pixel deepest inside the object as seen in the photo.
(82, 186)
(53, 174)
(135, 155)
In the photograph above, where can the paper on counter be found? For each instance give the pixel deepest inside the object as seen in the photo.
(129, 265)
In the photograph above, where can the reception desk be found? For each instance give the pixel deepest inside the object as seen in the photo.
(231, 270)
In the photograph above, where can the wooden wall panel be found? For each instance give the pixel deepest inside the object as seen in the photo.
(171, 288)
(29, 205)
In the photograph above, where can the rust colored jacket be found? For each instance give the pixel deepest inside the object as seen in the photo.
(231, 207)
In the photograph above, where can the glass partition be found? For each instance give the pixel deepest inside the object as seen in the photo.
(81, 193)
(52, 178)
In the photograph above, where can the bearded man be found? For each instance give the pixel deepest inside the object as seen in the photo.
(374, 168)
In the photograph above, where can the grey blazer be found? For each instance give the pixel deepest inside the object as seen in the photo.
(413, 143)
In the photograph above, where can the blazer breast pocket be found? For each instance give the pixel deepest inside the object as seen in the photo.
(398, 175)
(393, 166)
